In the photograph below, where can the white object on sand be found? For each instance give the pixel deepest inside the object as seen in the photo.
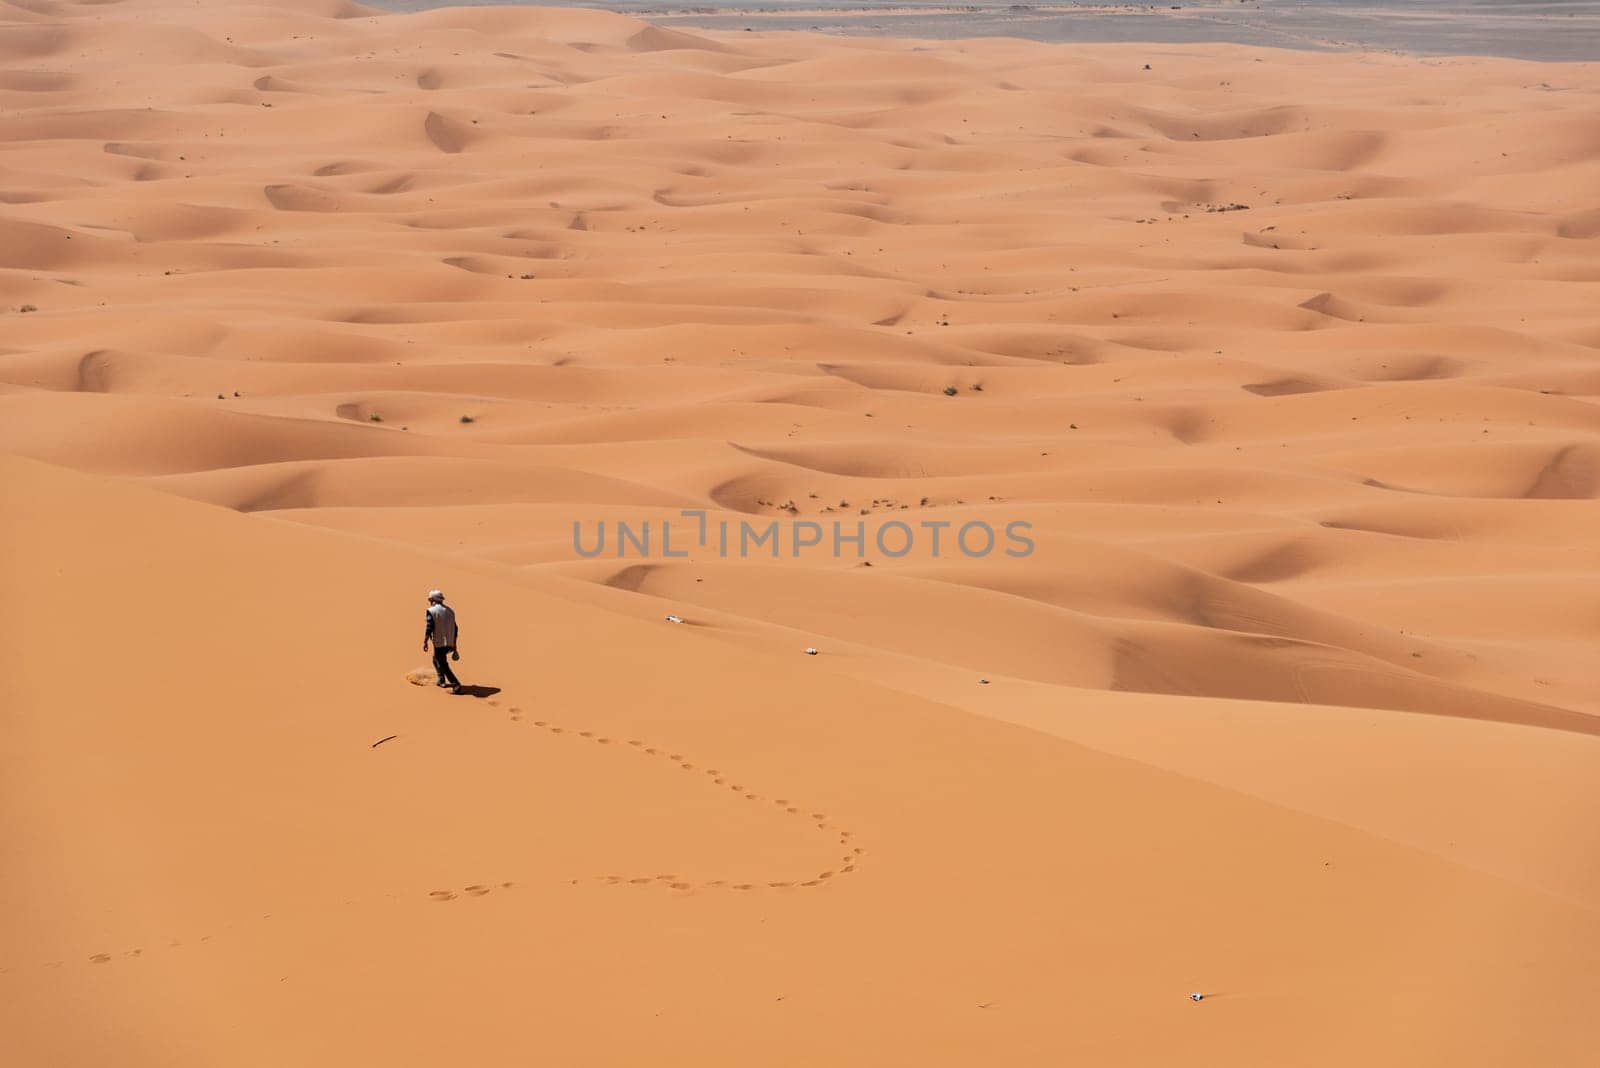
(1196, 996)
(674, 619)
(810, 651)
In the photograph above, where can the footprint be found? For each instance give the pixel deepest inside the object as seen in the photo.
(101, 958)
(847, 863)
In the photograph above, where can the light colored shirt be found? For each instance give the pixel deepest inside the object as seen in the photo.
(442, 625)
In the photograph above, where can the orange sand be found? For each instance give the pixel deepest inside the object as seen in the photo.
(1294, 705)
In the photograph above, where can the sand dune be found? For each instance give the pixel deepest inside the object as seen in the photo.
(1287, 362)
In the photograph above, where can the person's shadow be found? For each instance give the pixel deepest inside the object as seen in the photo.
(477, 691)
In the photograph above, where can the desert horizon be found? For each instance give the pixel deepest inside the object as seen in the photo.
(1555, 30)
(959, 551)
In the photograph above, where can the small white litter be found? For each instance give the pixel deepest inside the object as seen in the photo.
(810, 651)
(674, 619)
(1196, 996)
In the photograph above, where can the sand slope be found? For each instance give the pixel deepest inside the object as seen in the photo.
(1290, 361)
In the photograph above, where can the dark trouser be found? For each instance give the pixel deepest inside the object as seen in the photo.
(441, 664)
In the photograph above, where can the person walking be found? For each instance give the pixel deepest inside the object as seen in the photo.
(443, 633)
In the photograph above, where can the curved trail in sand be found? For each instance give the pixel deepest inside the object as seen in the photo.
(848, 862)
